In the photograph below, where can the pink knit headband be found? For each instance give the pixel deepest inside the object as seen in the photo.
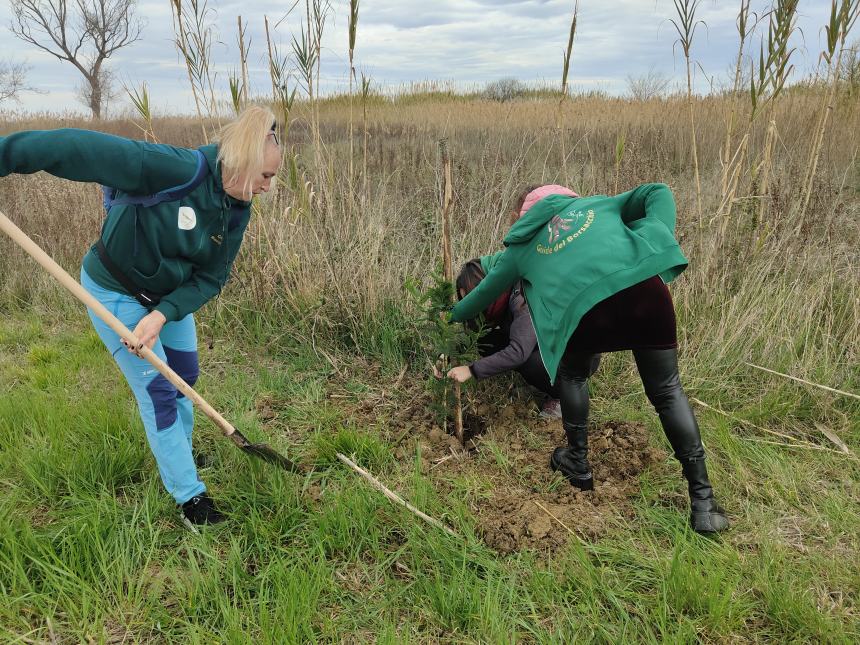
(544, 191)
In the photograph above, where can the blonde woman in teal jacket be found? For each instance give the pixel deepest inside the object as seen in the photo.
(175, 221)
(594, 271)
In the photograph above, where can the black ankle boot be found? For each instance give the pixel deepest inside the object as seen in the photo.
(572, 460)
(706, 516)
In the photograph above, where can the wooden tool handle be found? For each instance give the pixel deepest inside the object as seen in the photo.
(22, 240)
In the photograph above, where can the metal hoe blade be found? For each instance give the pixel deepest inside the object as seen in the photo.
(269, 454)
(265, 452)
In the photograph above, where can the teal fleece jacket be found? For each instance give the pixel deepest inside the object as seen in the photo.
(573, 252)
(181, 250)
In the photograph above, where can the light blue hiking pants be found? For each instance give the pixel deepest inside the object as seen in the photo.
(167, 414)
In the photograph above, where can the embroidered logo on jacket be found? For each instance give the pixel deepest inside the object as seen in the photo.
(187, 218)
(561, 224)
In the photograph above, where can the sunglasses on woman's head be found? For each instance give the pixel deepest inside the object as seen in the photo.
(274, 132)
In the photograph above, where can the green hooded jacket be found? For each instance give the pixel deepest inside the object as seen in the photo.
(180, 250)
(573, 252)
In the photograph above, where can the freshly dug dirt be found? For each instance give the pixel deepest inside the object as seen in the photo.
(519, 502)
(504, 475)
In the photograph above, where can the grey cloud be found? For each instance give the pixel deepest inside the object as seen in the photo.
(468, 41)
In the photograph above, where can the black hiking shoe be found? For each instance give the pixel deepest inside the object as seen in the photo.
(577, 472)
(200, 510)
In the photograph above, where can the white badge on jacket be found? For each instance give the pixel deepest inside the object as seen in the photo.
(187, 218)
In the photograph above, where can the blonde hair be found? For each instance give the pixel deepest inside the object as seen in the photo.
(242, 142)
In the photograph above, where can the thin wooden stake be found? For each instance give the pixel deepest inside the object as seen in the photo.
(448, 267)
(447, 198)
(800, 380)
(394, 497)
(458, 415)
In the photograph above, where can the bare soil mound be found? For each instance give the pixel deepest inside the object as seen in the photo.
(524, 505)
(504, 475)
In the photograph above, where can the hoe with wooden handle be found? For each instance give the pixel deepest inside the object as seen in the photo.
(259, 450)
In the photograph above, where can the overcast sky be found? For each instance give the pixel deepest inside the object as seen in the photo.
(468, 42)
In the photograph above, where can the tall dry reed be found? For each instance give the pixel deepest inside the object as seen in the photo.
(686, 27)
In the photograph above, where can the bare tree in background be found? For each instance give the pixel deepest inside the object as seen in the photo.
(504, 89)
(13, 80)
(85, 33)
(647, 86)
(107, 85)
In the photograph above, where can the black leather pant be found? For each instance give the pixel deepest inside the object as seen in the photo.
(658, 369)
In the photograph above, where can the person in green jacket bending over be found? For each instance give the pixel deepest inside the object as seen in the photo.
(594, 271)
(175, 220)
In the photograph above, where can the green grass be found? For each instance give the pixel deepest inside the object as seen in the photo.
(90, 548)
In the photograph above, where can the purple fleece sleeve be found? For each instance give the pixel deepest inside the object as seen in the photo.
(522, 343)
